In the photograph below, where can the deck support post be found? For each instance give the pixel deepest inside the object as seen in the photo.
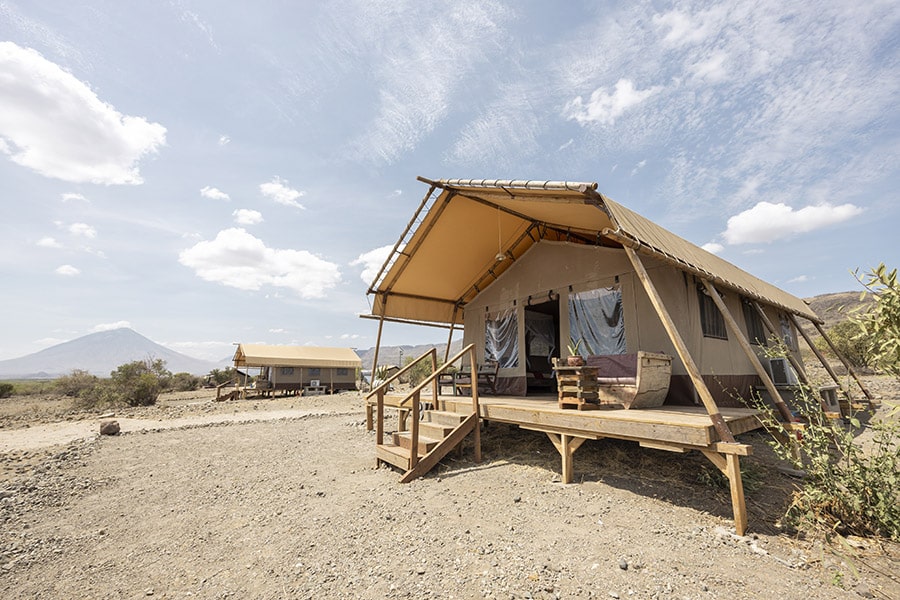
(751, 356)
(730, 466)
(566, 445)
(680, 347)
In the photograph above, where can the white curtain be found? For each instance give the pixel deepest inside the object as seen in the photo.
(501, 338)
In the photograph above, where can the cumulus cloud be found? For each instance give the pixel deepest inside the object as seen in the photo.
(605, 108)
(713, 247)
(767, 222)
(799, 279)
(224, 140)
(214, 193)
(56, 125)
(83, 230)
(73, 196)
(246, 216)
(371, 262)
(238, 259)
(48, 242)
(280, 192)
(110, 326)
(67, 271)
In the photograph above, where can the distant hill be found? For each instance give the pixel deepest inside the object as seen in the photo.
(391, 355)
(834, 308)
(100, 353)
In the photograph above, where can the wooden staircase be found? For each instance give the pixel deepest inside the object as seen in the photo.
(432, 433)
(439, 432)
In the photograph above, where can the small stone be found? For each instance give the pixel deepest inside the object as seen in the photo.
(517, 499)
(109, 428)
(623, 564)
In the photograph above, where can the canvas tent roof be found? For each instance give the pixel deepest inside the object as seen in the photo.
(261, 355)
(471, 231)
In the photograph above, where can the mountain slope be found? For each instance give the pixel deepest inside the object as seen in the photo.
(100, 353)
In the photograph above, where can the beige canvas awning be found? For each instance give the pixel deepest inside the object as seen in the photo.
(261, 355)
(473, 230)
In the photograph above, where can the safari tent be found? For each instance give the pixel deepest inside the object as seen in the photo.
(526, 268)
(300, 368)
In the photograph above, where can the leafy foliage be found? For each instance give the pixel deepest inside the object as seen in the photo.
(77, 384)
(419, 372)
(847, 489)
(183, 382)
(139, 382)
(6, 390)
(856, 348)
(879, 323)
(220, 376)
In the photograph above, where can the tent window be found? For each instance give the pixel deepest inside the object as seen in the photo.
(711, 319)
(596, 318)
(756, 332)
(341, 372)
(501, 339)
(287, 370)
(787, 332)
(315, 372)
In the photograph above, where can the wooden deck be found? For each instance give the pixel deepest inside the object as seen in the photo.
(676, 428)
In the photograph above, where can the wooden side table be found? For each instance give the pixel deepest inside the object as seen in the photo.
(577, 386)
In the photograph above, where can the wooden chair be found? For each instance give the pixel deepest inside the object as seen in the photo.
(486, 380)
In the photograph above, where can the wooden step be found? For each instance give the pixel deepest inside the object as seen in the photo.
(442, 417)
(426, 444)
(394, 455)
(436, 431)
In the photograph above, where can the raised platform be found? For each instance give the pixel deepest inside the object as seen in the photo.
(675, 425)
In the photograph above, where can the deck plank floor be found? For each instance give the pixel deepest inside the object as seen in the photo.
(681, 425)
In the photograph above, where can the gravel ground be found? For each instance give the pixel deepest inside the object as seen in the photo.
(292, 507)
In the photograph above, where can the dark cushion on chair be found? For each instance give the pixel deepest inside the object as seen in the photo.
(614, 366)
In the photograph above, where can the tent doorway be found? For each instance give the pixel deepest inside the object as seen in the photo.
(541, 345)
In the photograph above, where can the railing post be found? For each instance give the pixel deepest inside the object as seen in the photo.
(414, 432)
(379, 420)
(434, 378)
(477, 432)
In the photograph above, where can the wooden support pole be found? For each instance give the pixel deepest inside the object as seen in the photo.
(730, 466)
(819, 355)
(566, 445)
(450, 337)
(680, 347)
(801, 372)
(377, 349)
(751, 355)
(843, 360)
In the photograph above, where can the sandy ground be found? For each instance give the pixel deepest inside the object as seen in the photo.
(279, 498)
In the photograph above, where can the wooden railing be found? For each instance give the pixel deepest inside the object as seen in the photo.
(414, 399)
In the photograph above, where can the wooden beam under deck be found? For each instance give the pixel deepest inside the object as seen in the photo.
(671, 428)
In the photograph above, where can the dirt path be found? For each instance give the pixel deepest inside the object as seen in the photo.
(281, 500)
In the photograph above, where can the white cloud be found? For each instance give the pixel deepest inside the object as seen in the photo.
(214, 193)
(684, 29)
(224, 140)
(605, 108)
(72, 196)
(277, 330)
(713, 247)
(711, 68)
(350, 336)
(371, 262)
(246, 216)
(799, 279)
(67, 271)
(278, 190)
(82, 229)
(767, 222)
(111, 326)
(56, 125)
(238, 259)
(48, 242)
(638, 167)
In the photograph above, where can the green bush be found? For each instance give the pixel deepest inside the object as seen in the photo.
(77, 384)
(6, 390)
(138, 383)
(220, 376)
(879, 323)
(855, 348)
(847, 489)
(184, 382)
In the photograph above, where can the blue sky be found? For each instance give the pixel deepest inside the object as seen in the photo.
(209, 172)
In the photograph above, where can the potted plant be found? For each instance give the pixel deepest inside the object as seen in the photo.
(574, 359)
